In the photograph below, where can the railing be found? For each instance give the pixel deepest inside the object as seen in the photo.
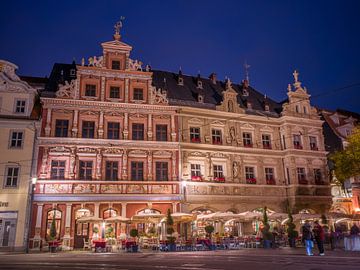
(105, 187)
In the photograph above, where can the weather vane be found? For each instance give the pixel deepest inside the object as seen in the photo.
(246, 67)
(118, 25)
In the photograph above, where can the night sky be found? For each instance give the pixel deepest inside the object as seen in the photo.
(319, 38)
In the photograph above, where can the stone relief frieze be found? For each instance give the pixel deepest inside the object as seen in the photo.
(158, 96)
(59, 149)
(66, 90)
(86, 150)
(113, 151)
(84, 188)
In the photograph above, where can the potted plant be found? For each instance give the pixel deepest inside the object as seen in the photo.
(209, 229)
(291, 232)
(52, 236)
(170, 231)
(134, 233)
(266, 234)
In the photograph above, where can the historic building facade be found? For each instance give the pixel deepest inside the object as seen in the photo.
(121, 140)
(108, 145)
(19, 126)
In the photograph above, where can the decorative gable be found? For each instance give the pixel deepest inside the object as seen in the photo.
(229, 103)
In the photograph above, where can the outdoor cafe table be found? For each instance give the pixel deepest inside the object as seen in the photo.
(99, 244)
(352, 243)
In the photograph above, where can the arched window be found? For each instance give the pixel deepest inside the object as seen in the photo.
(109, 213)
(55, 215)
(82, 212)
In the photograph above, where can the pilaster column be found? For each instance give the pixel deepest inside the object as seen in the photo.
(44, 163)
(173, 128)
(38, 221)
(126, 126)
(72, 163)
(96, 209)
(127, 90)
(67, 237)
(98, 164)
(124, 166)
(173, 165)
(48, 122)
(174, 207)
(149, 164)
(102, 89)
(123, 209)
(149, 131)
(101, 125)
(74, 129)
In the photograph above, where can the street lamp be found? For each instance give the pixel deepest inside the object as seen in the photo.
(31, 191)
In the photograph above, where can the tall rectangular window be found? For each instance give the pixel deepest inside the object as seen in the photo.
(20, 106)
(269, 176)
(218, 171)
(112, 168)
(161, 171)
(137, 170)
(318, 177)
(90, 90)
(138, 94)
(88, 129)
(250, 175)
(195, 170)
(115, 65)
(138, 131)
(113, 130)
(266, 141)
(247, 140)
(216, 136)
(195, 134)
(16, 139)
(61, 128)
(85, 170)
(12, 176)
(301, 175)
(161, 133)
(313, 143)
(114, 92)
(57, 169)
(297, 141)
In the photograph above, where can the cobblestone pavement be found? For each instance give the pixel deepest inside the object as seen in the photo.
(246, 259)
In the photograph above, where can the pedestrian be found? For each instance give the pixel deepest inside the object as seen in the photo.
(307, 238)
(354, 230)
(332, 239)
(319, 236)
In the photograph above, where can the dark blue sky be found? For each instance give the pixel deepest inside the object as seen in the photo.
(319, 38)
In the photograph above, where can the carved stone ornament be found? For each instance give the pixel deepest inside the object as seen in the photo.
(96, 61)
(218, 155)
(86, 150)
(59, 149)
(66, 90)
(162, 154)
(135, 65)
(197, 154)
(113, 151)
(137, 153)
(158, 96)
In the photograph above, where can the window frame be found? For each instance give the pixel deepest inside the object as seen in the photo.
(195, 134)
(216, 135)
(136, 94)
(111, 88)
(112, 130)
(269, 175)
(12, 132)
(134, 170)
(266, 143)
(301, 175)
(115, 61)
(111, 172)
(218, 171)
(313, 144)
(195, 171)
(58, 176)
(162, 172)
(88, 131)
(247, 140)
(86, 90)
(135, 131)
(23, 107)
(6, 176)
(86, 171)
(250, 175)
(62, 128)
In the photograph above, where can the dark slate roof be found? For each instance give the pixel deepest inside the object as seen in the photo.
(332, 141)
(186, 94)
(59, 74)
(37, 82)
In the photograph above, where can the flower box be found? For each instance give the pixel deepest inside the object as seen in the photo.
(267, 146)
(250, 145)
(219, 179)
(303, 182)
(270, 181)
(251, 181)
(195, 140)
(196, 178)
(298, 146)
(217, 142)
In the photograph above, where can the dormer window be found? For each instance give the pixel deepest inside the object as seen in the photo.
(115, 65)
(180, 81)
(72, 72)
(138, 94)
(20, 106)
(200, 98)
(199, 84)
(249, 105)
(245, 92)
(305, 111)
(90, 90)
(297, 109)
(267, 107)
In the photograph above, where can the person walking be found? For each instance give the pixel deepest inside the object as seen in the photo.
(307, 238)
(319, 236)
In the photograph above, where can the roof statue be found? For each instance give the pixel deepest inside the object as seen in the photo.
(246, 67)
(118, 25)
(296, 76)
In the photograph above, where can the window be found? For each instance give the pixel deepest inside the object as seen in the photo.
(161, 132)
(305, 111)
(216, 136)
(161, 171)
(194, 134)
(12, 176)
(247, 139)
(138, 131)
(114, 92)
(313, 143)
(269, 176)
(20, 106)
(250, 175)
(85, 170)
(56, 215)
(301, 175)
(57, 169)
(61, 128)
(297, 109)
(137, 171)
(111, 170)
(72, 72)
(218, 172)
(115, 65)
(90, 90)
(113, 131)
(297, 141)
(16, 139)
(266, 141)
(88, 129)
(195, 172)
(138, 94)
(318, 177)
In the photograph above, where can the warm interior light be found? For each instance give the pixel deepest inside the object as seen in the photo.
(357, 209)
(33, 180)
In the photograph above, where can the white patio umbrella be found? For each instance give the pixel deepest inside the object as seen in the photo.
(90, 219)
(249, 215)
(223, 216)
(183, 217)
(152, 217)
(278, 216)
(305, 216)
(118, 219)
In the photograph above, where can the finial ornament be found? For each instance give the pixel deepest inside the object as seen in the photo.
(296, 76)
(228, 83)
(246, 67)
(118, 25)
(289, 87)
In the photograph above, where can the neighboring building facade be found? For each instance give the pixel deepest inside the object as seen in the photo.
(109, 146)
(337, 127)
(19, 126)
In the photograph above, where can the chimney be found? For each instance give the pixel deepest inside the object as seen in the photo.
(245, 83)
(212, 77)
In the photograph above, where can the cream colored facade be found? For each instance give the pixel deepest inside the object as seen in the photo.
(17, 137)
(215, 171)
